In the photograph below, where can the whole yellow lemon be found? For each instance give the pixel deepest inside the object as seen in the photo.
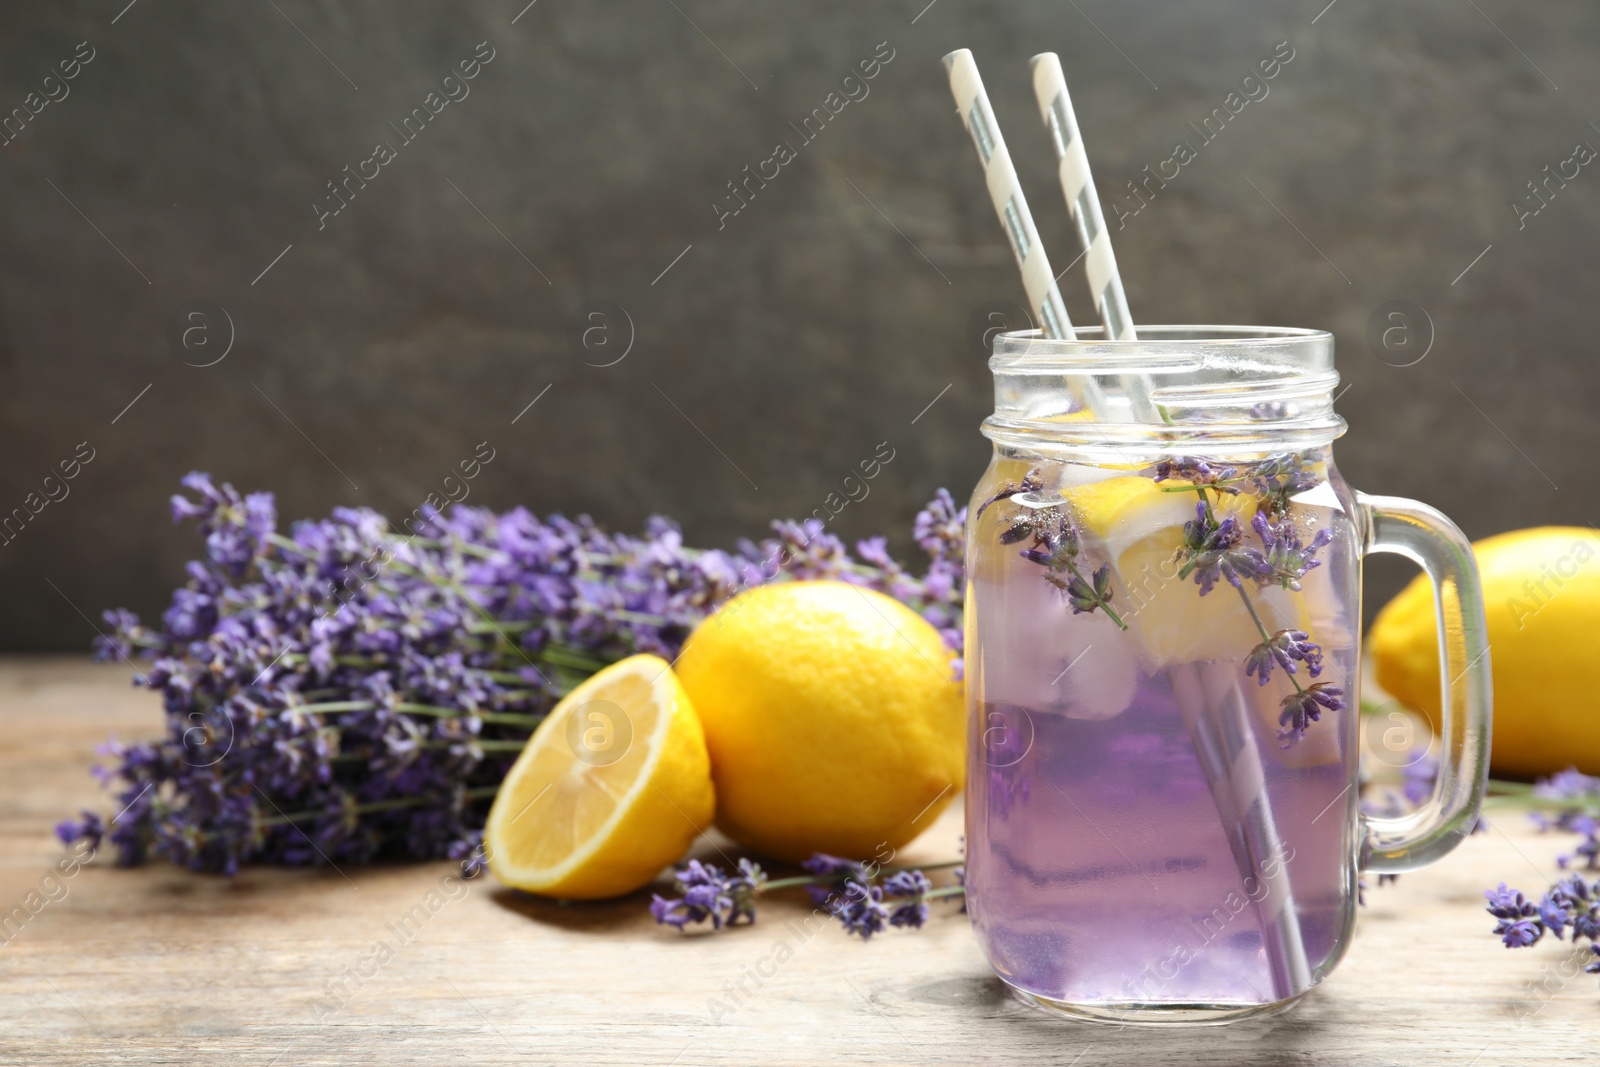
(1541, 595)
(832, 717)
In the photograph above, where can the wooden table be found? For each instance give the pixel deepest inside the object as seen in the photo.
(278, 967)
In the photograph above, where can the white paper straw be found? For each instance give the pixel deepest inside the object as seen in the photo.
(1012, 209)
(1231, 717)
(1208, 696)
(1218, 722)
(1077, 183)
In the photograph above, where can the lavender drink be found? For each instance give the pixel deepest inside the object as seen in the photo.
(1162, 662)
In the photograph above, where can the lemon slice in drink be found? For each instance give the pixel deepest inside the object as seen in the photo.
(612, 787)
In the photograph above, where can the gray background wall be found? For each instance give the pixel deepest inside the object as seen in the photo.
(378, 351)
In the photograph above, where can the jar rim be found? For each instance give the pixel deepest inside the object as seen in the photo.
(1091, 346)
(1217, 387)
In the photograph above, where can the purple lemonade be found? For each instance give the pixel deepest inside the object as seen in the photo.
(1159, 811)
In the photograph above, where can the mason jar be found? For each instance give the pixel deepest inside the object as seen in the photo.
(1163, 633)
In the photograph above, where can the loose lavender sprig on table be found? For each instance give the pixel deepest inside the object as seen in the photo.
(865, 898)
(1576, 798)
(1572, 902)
(347, 690)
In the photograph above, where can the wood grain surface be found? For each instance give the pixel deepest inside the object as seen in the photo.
(160, 966)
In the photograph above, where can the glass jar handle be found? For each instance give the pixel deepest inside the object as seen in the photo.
(1427, 538)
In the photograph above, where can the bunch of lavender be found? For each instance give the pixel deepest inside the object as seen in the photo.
(348, 690)
(864, 897)
(1213, 549)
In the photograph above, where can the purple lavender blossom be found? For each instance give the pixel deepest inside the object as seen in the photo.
(1304, 707)
(1286, 558)
(1197, 471)
(1285, 648)
(1213, 551)
(832, 870)
(1568, 785)
(1582, 793)
(469, 851)
(710, 895)
(1419, 777)
(1586, 854)
(1278, 478)
(1056, 545)
(1569, 903)
(1519, 933)
(861, 909)
(89, 828)
(1082, 596)
(909, 889)
(1270, 410)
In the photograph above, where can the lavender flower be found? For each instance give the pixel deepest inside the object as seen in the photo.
(1418, 778)
(1213, 551)
(1056, 546)
(1304, 707)
(710, 895)
(1197, 471)
(1278, 478)
(861, 909)
(1569, 903)
(1270, 410)
(1568, 785)
(1580, 796)
(89, 828)
(1520, 924)
(830, 871)
(911, 889)
(470, 852)
(1286, 559)
(1082, 596)
(1587, 853)
(1285, 648)
(1519, 933)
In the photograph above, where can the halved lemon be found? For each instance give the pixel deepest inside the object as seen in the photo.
(613, 786)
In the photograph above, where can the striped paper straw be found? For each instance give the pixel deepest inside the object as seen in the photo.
(1012, 208)
(1219, 727)
(1077, 182)
(1230, 718)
